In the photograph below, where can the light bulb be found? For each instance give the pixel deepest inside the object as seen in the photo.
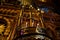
(38, 9)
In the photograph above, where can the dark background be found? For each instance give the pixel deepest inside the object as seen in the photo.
(53, 4)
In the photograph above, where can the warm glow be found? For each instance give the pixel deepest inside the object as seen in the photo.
(38, 9)
(1, 28)
(30, 5)
(43, 0)
(42, 11)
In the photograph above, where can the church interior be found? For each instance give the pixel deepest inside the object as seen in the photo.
(29, 19)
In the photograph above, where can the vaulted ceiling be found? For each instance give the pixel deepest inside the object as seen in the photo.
(55, 4)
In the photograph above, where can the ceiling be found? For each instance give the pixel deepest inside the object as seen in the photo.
(54, 4)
